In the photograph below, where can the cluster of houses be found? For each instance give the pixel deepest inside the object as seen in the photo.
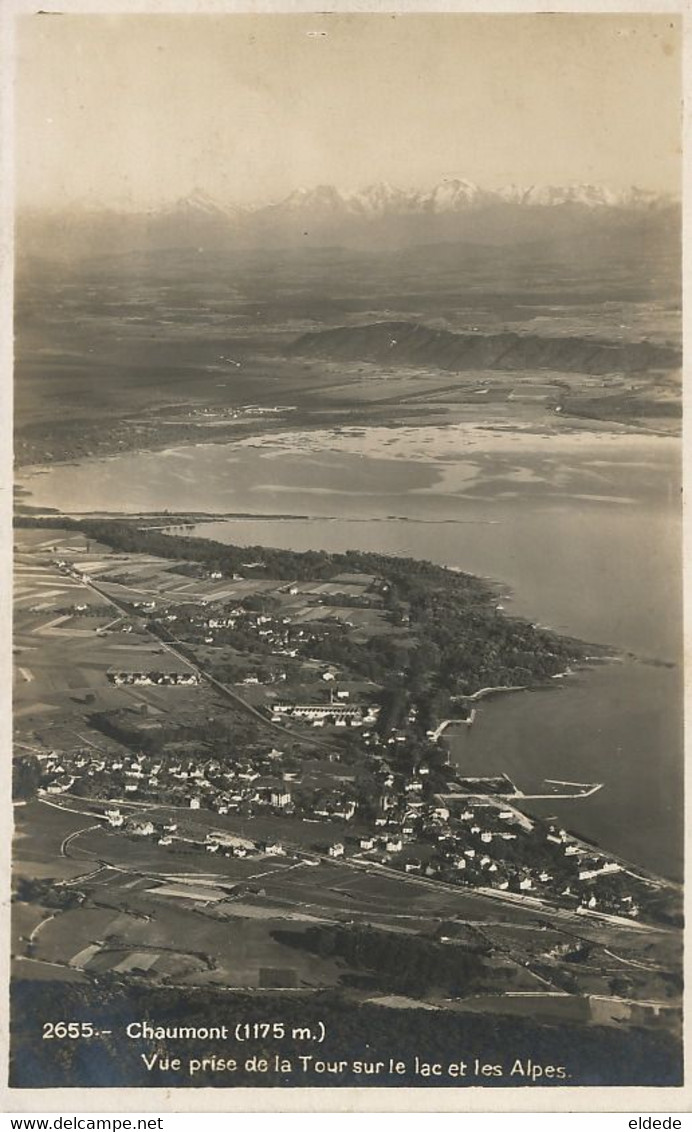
(335, 804)
(484, 844)
(275, 632)
(264, 781)
(190, 781)
(61, 770)
(174, 835)
(480, 842)
(161, 679)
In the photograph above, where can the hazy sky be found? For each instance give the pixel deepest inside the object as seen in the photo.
(135, 110)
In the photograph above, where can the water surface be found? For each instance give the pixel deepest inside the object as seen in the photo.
(582, 532)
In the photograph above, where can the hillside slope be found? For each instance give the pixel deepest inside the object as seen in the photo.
(410, 343)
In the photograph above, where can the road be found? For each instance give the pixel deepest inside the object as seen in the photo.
(70, 837)
(529, 904)
(249, 709)
(37, 929)
(223, 689)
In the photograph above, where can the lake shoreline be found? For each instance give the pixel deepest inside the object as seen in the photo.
(566, 559)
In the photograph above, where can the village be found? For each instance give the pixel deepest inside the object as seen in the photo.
(482, 842)
(205, 747)
(375, 787)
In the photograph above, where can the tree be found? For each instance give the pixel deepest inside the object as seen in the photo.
(393, 708)
(26, 778)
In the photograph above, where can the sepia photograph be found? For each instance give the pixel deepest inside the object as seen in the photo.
(347, 629)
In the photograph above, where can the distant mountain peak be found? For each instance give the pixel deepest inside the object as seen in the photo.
(456, 194)
(381, 196)
(197, 201)
(379, 214)
(319, 197)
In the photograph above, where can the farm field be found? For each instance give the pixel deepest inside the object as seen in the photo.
(41, 829)
(68, 641)
(123, 900)
(233, 951)
(196, 920)
(331, 889)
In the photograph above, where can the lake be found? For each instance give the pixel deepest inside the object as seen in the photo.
(582, 532)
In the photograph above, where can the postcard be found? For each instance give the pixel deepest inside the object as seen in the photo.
(347, 611)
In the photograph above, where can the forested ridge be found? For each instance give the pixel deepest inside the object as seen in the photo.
(462, 640)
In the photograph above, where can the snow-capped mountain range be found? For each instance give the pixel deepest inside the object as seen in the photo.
(377, 216)
(450, 195)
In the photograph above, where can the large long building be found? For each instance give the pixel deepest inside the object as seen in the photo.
(326, 713)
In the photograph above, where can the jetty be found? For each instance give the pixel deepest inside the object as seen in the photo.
(442, 727)
(576, 790)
